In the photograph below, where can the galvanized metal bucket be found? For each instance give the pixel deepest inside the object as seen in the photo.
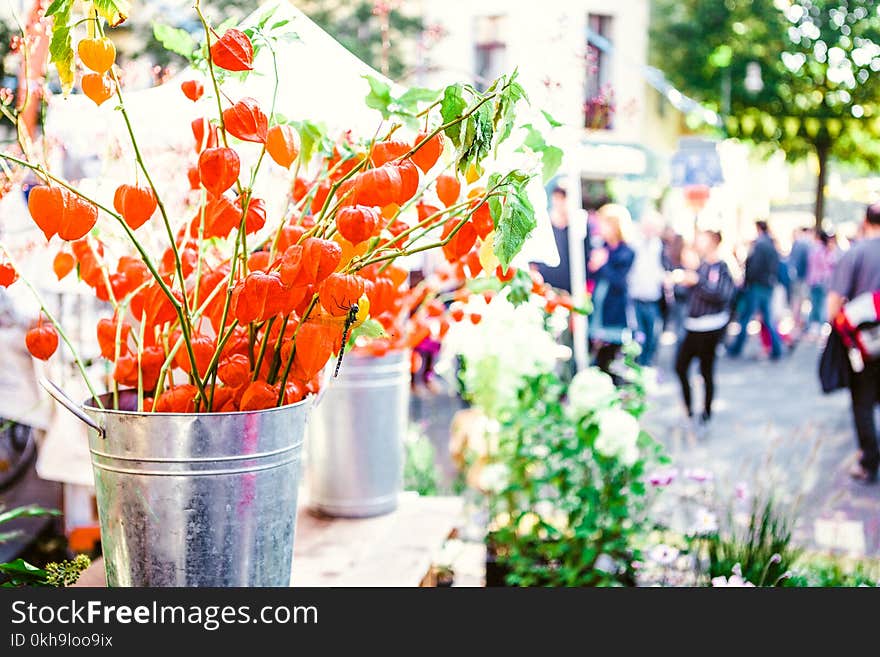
(355, 438)
(195, 499)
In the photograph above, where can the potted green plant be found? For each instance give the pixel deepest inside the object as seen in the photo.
(562, 472)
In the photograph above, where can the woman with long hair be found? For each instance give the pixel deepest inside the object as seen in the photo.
(609, 268)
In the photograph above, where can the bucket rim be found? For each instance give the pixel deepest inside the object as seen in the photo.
(88, 406)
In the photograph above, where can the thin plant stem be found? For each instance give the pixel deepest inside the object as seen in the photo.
(289, 364)
(140, 351)
(262, 353)
(45, 310)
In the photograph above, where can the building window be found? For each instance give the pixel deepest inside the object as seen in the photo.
(599, 95)
(490, 49)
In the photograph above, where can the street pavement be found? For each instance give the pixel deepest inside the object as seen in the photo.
(773, 429)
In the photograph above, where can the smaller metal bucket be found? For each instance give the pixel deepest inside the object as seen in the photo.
(355, 438)
(195, 499)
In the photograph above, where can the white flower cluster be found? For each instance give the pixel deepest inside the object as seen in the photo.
(618, 436)
(735, 581)
(508, 345)
(592, 392)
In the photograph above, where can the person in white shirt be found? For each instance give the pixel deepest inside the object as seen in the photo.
(646, 284)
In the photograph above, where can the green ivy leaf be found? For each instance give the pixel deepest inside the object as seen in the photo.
(516, 223)
(175, 40)
(452, 107)
(61, 46)
(113, 11)
(379, 97)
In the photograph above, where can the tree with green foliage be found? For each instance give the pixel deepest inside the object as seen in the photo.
(376, 31)
(800, 75)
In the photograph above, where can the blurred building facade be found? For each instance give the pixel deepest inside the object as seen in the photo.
(585, 61)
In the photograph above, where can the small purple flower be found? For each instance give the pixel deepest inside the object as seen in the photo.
(663, 477)
(741, 491)
(699, 475)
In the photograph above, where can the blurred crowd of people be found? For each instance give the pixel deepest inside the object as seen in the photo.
(704, 293)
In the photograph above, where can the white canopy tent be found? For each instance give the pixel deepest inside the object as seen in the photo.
(320, 81)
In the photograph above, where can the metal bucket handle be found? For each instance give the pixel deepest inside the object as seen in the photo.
(61, 397)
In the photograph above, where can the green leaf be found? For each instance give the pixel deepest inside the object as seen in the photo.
(505, 106)
(414, 95)
(553, 122)
(534, 139)
(61, 46)
(26, 512)
(551, 160)
(410, 121)
(477, 140)
(175, 40)
(267, 16)
(452, 107)
(516, 223)
(58, 5)
(551, 156)
(495, 205)
(311, 136)
(379, 97)
(483, 284)
(370, 328)
(113, 11)
(22, 567)
(289, 37)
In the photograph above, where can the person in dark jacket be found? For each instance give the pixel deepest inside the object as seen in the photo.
(798, 265)
(609, 268)
(711, 290)
(858, 273)
(762, 268)
(559, 276)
